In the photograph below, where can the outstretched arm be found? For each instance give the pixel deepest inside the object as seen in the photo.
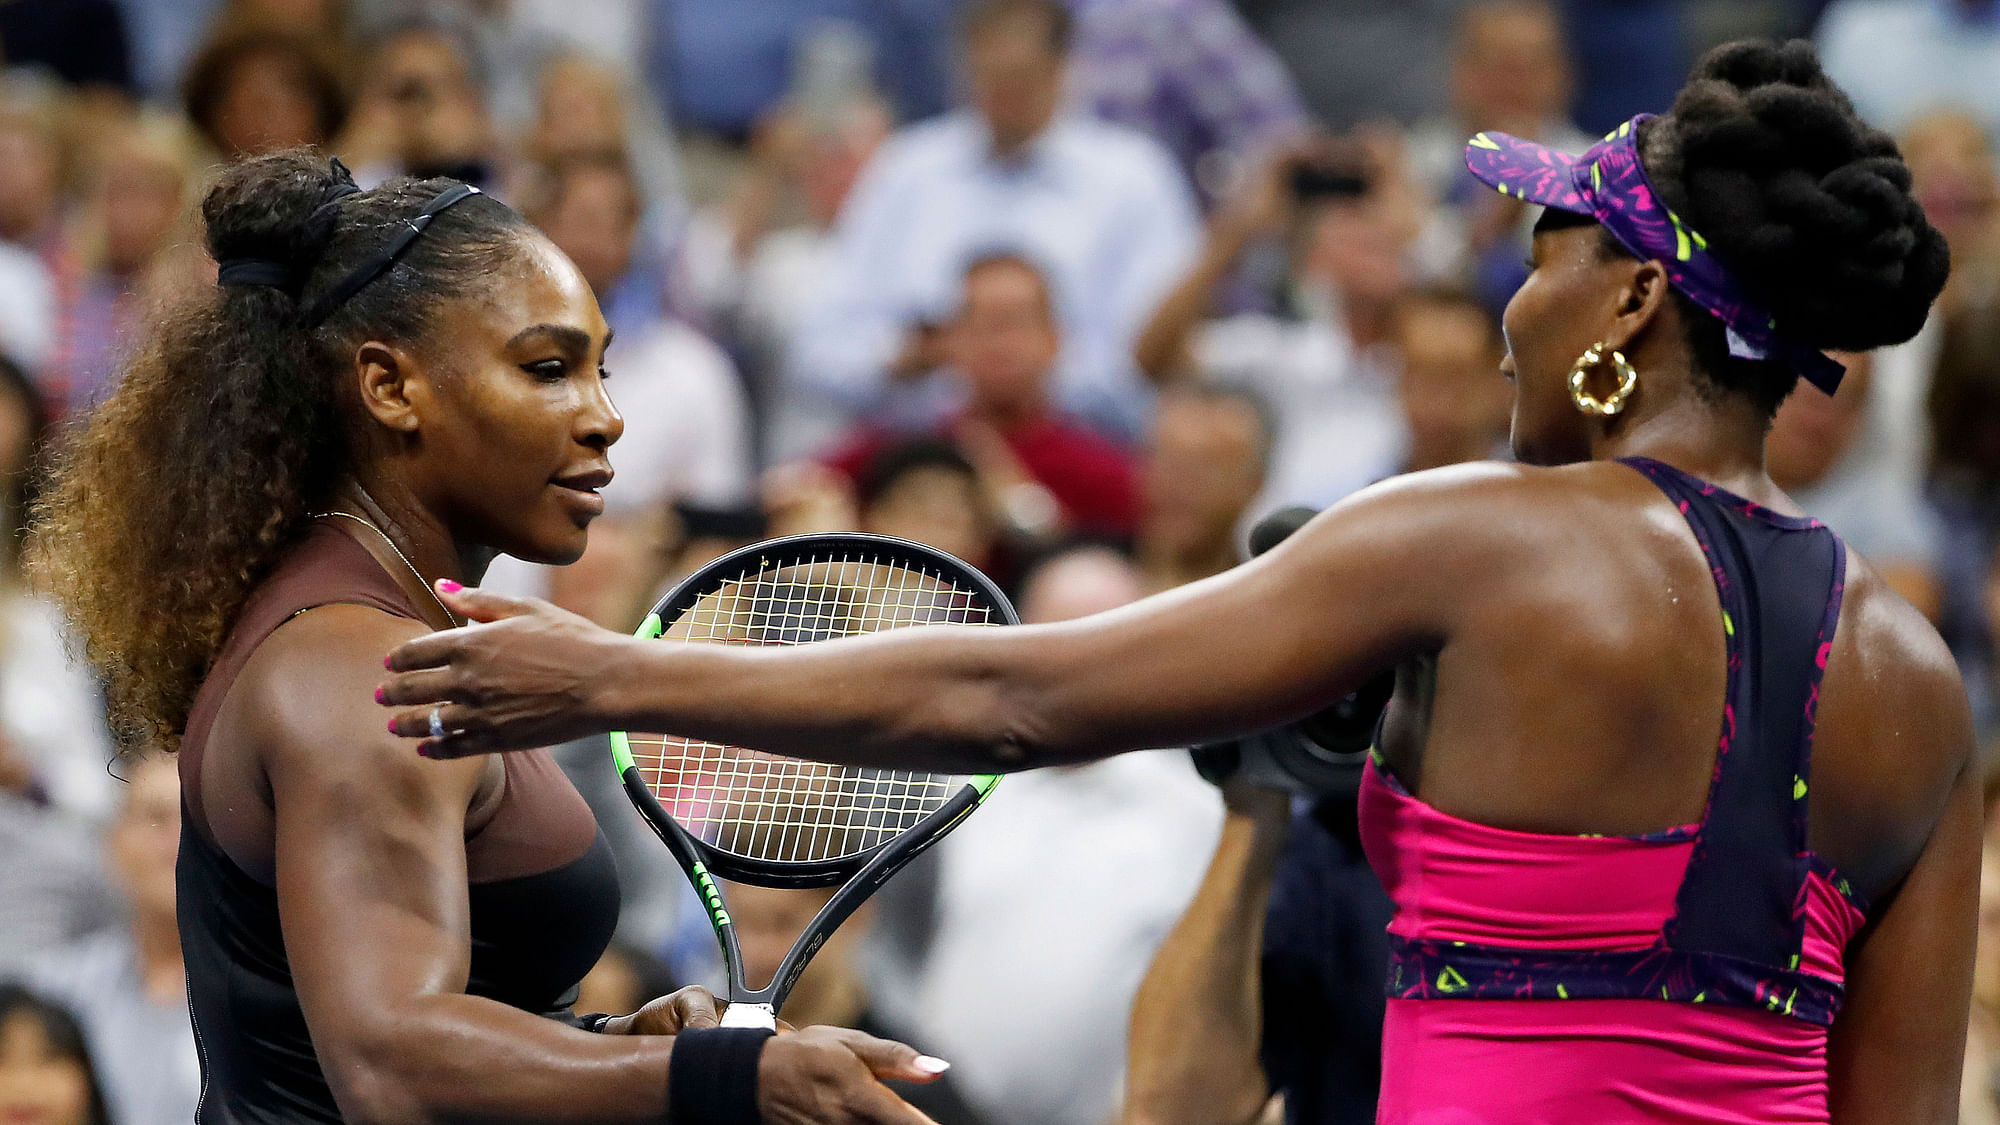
(1196, 1023)
(1375, 578)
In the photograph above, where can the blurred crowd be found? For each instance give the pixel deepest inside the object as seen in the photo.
(1073, 289)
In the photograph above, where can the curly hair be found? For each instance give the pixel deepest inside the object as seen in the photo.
(231, 424)
(1808, 205)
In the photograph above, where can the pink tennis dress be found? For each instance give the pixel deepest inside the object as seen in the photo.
(1685, 977)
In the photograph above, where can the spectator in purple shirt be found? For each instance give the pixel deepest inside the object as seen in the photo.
(1191, 74)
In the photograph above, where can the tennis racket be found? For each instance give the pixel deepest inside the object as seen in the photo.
(774, 821)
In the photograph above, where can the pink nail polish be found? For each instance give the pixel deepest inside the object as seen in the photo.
(929, 1064)
(450, 587)
(392, 727)
(381, 696)
(386, 664)
(423, 749)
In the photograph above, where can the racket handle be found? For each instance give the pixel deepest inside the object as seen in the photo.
(760, 1016)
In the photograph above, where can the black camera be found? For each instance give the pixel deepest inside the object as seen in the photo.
(1321, 754)
(1314, 180)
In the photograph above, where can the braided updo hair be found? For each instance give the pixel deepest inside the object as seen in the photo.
(232, 421)
(1806, 204)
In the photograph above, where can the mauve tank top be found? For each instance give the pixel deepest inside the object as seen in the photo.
(542, 887)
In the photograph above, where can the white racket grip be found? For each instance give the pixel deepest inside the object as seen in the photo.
(760, 1016)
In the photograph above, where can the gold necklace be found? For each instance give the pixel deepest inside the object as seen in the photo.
(370, 525)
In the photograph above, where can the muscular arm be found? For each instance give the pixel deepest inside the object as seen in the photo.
(1374, 579)
(372, 890)
(371, 877)
(1196, 1021)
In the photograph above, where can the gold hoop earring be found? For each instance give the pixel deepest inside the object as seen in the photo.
(1628, 381)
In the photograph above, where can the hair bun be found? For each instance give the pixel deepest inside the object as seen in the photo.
(273, 208)
(1808, 205)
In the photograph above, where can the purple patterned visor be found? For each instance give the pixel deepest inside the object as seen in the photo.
(1609, 184)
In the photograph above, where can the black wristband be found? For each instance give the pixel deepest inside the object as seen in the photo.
(712, 1079)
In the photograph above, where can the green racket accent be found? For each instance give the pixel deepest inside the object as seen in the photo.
(717, 913)
(621, 747)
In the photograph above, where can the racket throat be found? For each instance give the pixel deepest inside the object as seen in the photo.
(742, 1013)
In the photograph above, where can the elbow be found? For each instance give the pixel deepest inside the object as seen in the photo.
(1023, 732)
(378, 1075)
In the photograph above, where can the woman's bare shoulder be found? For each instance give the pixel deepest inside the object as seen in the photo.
(1893, 734)
(311, 685)
(1888, 644)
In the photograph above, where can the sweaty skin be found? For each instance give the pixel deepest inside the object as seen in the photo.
(1557, 636)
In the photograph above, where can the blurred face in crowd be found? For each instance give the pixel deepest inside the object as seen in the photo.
(39, 1085)
(1015, 77)
(1454, 400)
(1814, 430)
(1355, 249)
(1004, 340)
(1203, 468)
(1078, 584)
(425, 83)
(937, 505)
(834, 158)
(141, 191)
(595, 219)
(1511, 71)
(266, 105)
(300, 15)
(581, 109)
(1953, 175)
(30, 177)
(146, 835)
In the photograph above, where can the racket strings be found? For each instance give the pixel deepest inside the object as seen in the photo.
(775, 808)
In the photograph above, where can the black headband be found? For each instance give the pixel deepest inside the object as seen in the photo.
(375, 267)
(290, 276)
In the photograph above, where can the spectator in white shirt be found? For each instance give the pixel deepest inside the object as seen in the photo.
(126, 983)
(1103, 209)
(757, 280)
(54, 745)
(1029, 982)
